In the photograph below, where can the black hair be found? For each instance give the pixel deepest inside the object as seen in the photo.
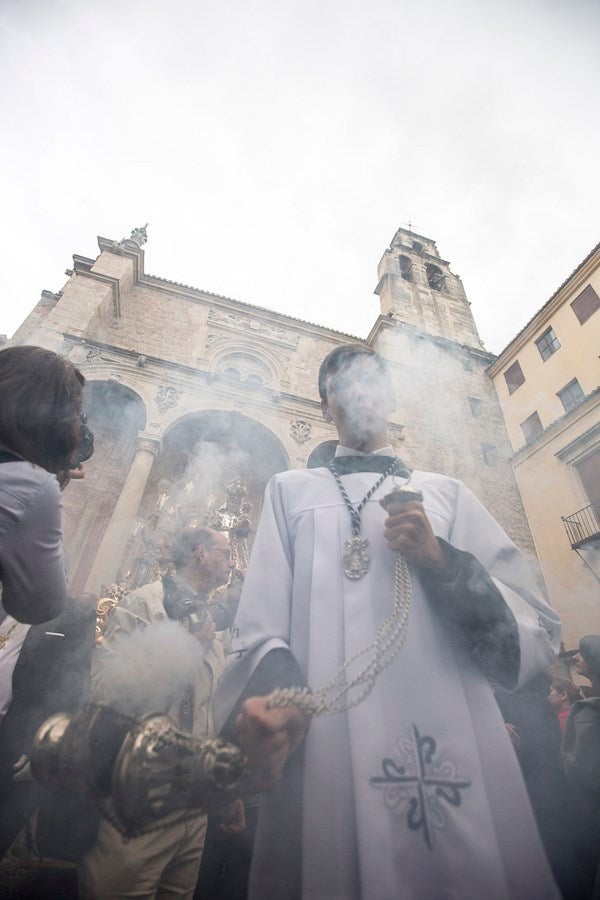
(40, 406)
(338, 359)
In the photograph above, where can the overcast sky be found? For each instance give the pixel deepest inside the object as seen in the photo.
(275, 146)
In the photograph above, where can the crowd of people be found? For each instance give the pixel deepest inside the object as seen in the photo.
(389, 673)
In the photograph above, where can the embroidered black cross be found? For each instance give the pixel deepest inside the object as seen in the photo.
(423, 784)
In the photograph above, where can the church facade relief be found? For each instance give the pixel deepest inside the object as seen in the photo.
(166, 398)
(300, 430)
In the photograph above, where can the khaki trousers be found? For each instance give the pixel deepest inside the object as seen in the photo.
(161, 864)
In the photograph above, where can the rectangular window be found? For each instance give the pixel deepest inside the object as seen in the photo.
(532, 427)
(571, 395)
(514, 377)
(586, 304)
(547, 344)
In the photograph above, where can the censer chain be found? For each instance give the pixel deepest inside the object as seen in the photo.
(335, 697)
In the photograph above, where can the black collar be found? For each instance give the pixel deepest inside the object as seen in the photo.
(375, 462)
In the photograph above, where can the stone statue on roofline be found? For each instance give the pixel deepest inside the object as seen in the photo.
(139, 236)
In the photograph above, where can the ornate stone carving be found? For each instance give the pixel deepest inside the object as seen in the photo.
(252, 326)
(167, 397)
(93, 354)
(300, 430)
(77, 351)
(141, 362)
(148, 445)
(396, 431)
(242, 366)
(138, 236)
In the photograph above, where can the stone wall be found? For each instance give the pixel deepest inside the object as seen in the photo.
(184, 352)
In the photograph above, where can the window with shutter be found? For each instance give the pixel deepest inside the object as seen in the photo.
(514, 377)
(532, 427)
(586, 304)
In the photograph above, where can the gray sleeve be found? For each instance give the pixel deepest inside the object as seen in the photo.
(469, 601)
(497, 607)
(34, 582)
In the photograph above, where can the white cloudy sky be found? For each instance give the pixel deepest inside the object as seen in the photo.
(276, 145)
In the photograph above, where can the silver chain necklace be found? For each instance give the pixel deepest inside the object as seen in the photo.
(342, 692)
(356, 550)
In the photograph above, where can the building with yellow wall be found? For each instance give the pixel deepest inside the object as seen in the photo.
(547, 380)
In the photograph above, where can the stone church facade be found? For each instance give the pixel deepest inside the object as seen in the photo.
(189, 392)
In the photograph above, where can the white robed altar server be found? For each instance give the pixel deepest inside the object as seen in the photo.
(415, 792)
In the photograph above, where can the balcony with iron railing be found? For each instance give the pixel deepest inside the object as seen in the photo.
(583, 526)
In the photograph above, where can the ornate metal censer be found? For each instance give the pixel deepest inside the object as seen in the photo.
(147, 766)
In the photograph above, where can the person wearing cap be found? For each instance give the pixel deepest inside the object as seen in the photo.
(581, 754)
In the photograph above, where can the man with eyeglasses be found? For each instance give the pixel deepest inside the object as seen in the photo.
(138, 669)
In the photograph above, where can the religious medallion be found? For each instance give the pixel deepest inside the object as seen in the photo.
(356, 558)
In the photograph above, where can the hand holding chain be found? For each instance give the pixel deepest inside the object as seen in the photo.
(341, 694)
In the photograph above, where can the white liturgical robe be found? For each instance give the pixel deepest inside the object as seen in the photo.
(416, 792)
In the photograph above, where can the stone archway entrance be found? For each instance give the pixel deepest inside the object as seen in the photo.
(212, 470)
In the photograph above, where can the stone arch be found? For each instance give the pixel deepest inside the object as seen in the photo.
(111, 400)
(110, 371)
(322, 454)
(249, 358)
(235, 432)
(202, 453)
(245, 366)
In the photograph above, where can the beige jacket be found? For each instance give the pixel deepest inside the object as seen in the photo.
(136, 611)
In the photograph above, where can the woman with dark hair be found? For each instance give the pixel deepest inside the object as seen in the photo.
(40, 432)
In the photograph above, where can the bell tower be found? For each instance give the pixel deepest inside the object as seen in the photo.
(417, 287)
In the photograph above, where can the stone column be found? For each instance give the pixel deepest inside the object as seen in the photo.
(110, 552)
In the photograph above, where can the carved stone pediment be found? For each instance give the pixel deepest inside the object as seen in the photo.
(250, 326)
